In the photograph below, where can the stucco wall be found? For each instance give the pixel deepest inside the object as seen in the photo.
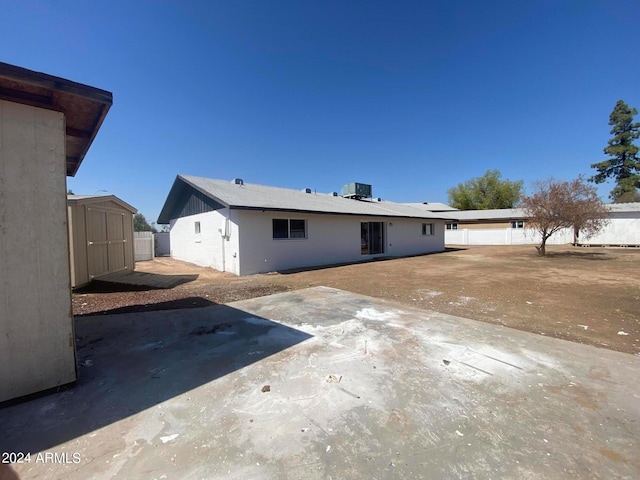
(404, 237)
(37, 346)
(330, 239)
(206, 249)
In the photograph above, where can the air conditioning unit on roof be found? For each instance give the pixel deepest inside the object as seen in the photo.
(356, 190)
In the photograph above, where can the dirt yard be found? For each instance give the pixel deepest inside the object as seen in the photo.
(586, 295)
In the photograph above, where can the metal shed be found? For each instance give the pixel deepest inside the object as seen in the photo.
(100, 236)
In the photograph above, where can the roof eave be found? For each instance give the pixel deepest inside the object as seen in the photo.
(84, 107)
(327, 212)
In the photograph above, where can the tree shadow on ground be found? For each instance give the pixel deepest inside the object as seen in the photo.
(130, 363)
(582, 255)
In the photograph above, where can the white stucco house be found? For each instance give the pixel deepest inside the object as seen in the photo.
(244, 228)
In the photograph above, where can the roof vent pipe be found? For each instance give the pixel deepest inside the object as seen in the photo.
(238, 181)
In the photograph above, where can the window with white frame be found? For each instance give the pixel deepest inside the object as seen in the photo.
(517, 223)
(452, 226)
(289, 228)
(197, 228)
(427, 229)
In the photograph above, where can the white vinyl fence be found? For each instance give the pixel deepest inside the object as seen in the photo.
(503, 236)
(143, 246)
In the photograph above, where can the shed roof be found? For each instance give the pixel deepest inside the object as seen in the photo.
(73, 199)
(84, 107)
(247, 196)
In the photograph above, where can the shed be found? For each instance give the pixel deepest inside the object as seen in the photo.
(47, 125)
(100, 236)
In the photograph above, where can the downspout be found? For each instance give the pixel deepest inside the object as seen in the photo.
(224, 235)
(223, 238)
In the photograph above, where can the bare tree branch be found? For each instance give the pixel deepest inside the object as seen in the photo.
(555, 205)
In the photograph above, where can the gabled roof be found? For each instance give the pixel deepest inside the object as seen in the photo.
(72, 199)
(84, 107)
(247, 196)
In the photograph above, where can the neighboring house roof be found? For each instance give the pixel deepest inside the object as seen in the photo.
(496, 214)
(247, 196)
(433, 206)
(624, 207)
(518, 213)
(84, 107)
(71, 199)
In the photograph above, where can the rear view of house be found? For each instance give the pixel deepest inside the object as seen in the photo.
(245, 228)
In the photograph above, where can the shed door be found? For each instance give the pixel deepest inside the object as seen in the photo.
(105, 241)
(117, 242)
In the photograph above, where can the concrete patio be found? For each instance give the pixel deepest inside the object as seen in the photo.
(325, 384)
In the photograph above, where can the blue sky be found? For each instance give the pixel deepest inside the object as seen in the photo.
(411, 97)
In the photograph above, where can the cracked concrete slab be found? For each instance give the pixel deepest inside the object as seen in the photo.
(321, 383)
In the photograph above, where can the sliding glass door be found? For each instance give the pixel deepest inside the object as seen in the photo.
(371, 238)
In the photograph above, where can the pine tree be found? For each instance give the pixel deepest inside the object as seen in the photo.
(624, 164)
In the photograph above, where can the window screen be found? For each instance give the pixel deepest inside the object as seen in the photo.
(280, 228)
(297, 229)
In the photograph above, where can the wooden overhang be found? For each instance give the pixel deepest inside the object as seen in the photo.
(84, 107)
